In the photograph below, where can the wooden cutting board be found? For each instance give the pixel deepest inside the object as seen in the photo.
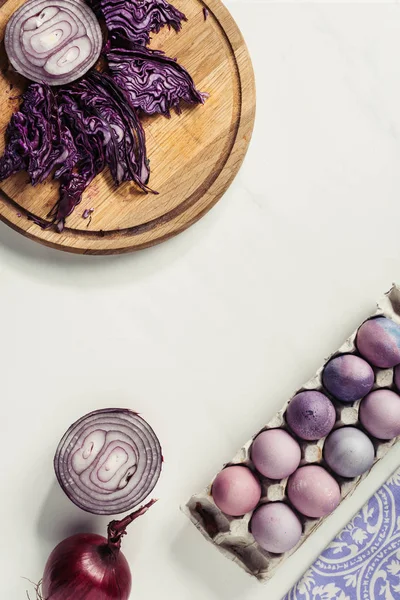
(194, 157)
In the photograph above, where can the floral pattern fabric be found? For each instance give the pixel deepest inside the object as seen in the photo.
(363, 562)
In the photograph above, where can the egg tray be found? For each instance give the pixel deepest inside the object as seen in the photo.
(231, 535)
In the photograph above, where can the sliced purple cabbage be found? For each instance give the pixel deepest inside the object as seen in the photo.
(152, 82)
(35, 138)
(125, 146)
(137, 19)
(15, 157)
(107, 132)
(75, 131)
(89, 161)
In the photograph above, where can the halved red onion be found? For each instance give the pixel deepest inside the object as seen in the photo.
(108, 461)
(54, 41)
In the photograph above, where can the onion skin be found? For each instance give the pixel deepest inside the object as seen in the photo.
(88, 566)
(83, 567)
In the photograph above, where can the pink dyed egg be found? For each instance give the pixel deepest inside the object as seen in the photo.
(380, 414)
(236, 491)
(313, 491)
(275, 527)
(275, 454)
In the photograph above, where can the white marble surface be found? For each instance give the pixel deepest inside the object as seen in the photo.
(209, 333)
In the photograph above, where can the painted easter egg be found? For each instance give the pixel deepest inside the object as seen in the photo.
(380, 414)
(378, 341)
(348, 377)
(349, 452)
(275, 527)
(313, 491)
(236, 491)
(275, 453)
(311, 415)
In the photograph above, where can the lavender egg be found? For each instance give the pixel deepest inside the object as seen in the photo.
(275, 454)
(236, 491)
(313, 491)
(275, 527)
(380, 414)
(349, 452)
(348, 377)
(378, 340)
(311, 415)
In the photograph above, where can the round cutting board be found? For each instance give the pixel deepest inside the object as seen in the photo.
(194, 156)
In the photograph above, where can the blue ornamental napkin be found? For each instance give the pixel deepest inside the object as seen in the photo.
(363, 562)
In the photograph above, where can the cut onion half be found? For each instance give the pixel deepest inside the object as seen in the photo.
(108, 461)
(53, 42)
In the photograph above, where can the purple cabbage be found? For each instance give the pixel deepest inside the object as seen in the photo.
(89, 158)
(136, 19)
(75, 134)
(125, 146)
(35, 137)
(152, 81)
(78, 130)
(106, 132)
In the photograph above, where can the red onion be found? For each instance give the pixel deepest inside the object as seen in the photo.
(108, 461)
(54, 42)
(87, 566)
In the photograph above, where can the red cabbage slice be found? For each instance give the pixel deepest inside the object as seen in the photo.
(125, 146)
(75, 134)
(136, 19)
(36, 141)
(15, 157)
(106, 132)
(89, 140)
(152, 81)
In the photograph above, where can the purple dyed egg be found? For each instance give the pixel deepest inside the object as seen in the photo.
(378, 340)
(275, 527)
(348, 377)
(313, 491)
(380, 414)
(311, 415)
(349, 452)
(275, 454)
(236, 491)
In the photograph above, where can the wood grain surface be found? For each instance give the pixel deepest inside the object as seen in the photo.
(194, 157)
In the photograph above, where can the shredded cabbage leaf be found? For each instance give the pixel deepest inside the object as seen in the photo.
(152, 81)
(135, 20)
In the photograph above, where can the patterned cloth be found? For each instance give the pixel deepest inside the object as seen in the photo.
(363, 562)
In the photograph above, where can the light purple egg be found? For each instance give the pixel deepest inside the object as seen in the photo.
(275, 527)
(380, 414)
(313, 491)
(349, 452)
(311, 415)
(348, 377)
(275, 454)
(378, 340)
(236, 491)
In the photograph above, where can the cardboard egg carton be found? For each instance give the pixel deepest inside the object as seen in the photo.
(231, 535)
